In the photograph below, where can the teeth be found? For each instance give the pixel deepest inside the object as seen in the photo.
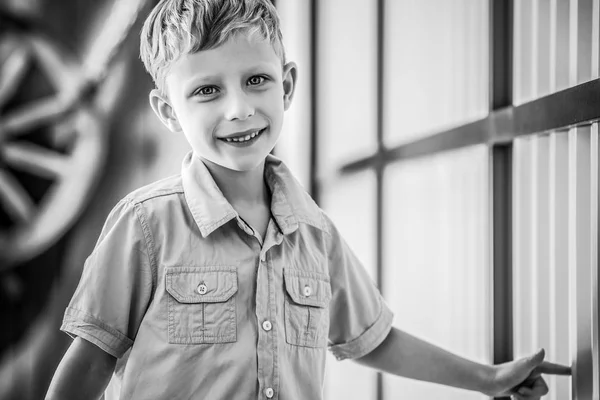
(243, 138)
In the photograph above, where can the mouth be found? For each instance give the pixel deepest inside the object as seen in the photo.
(246, 138)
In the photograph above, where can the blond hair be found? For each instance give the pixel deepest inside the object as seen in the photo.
(178, 27)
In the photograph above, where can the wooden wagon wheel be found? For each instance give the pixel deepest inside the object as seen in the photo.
(74, 128)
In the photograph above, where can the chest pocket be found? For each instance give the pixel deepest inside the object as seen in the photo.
(306, 308)
(201, 304)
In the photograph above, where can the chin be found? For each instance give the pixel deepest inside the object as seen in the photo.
(245, 165)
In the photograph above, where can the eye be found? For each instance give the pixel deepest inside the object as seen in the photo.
(256, 80)
(206, 91)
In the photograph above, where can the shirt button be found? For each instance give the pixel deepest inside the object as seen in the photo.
(202, 289)
(267, 326)
(269, 393)
(307, 290)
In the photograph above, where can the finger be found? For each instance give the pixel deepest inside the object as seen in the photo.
(551, 368)
(525, 391)
(535, 359)
(537, 389)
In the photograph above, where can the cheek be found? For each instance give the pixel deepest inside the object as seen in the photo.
(198, 121)
(275, 104)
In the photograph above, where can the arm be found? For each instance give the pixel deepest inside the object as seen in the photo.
(83, 373)
(405, 355)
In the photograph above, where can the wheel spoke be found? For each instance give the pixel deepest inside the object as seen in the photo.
(63, 132)
(15, 198)
(20, 121)
(13, 70)
(37, 160)
(53, 66)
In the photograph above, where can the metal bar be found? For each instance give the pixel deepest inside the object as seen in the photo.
(379, 248)
(570, 107)
(580, 262)
(595, 204)
(463, 136)
(501, 82)
(314, 134)
(501, 96)
(579, 215)
(379, 254)
(594, 261)
(379, 130)
(502, 252)
(579, 105)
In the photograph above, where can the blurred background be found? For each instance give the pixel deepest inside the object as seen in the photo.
(453, 142)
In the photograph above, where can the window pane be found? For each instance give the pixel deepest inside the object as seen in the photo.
(437, 266)
(436, 66)
(556, 46)
(347, 81)
(522, 247)
(540, 264)
(556, 253)
(350, 202)
(294, 143)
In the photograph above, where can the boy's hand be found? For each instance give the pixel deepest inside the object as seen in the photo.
(522, 379)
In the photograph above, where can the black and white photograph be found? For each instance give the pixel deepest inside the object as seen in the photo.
(299, 199)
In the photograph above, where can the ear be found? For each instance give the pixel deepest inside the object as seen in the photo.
(290, 76)
(163, 109)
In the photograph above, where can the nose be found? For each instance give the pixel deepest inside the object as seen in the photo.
(238, 106)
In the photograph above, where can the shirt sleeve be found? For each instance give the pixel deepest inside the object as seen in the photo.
(116, 284)
(359, 317)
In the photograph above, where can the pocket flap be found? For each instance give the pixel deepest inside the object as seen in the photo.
(211, 284)
(307, 288)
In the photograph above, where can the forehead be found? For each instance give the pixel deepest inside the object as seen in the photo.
(237, 56)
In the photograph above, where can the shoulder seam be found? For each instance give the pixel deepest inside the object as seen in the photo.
(151, 196)
(325, 223)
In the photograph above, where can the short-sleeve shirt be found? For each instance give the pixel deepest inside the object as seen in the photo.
(196, 305)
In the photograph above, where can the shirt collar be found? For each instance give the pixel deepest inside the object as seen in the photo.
(290, 204)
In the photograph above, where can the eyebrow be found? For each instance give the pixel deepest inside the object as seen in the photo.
(248, 70)
(197, 80)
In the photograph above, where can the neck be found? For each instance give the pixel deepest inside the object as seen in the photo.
(241, 187)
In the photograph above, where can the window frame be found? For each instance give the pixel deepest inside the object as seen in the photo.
(572, 107)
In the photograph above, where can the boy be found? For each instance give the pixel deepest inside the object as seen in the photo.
(228, 282)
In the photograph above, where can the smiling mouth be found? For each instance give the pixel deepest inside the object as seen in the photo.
(245, 138)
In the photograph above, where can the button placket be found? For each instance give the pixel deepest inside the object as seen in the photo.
(266, 307)
(265, 346)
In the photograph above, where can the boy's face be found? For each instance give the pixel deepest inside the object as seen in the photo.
(228, 101)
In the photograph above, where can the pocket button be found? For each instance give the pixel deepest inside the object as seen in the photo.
(202, 289)
(307, 291)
